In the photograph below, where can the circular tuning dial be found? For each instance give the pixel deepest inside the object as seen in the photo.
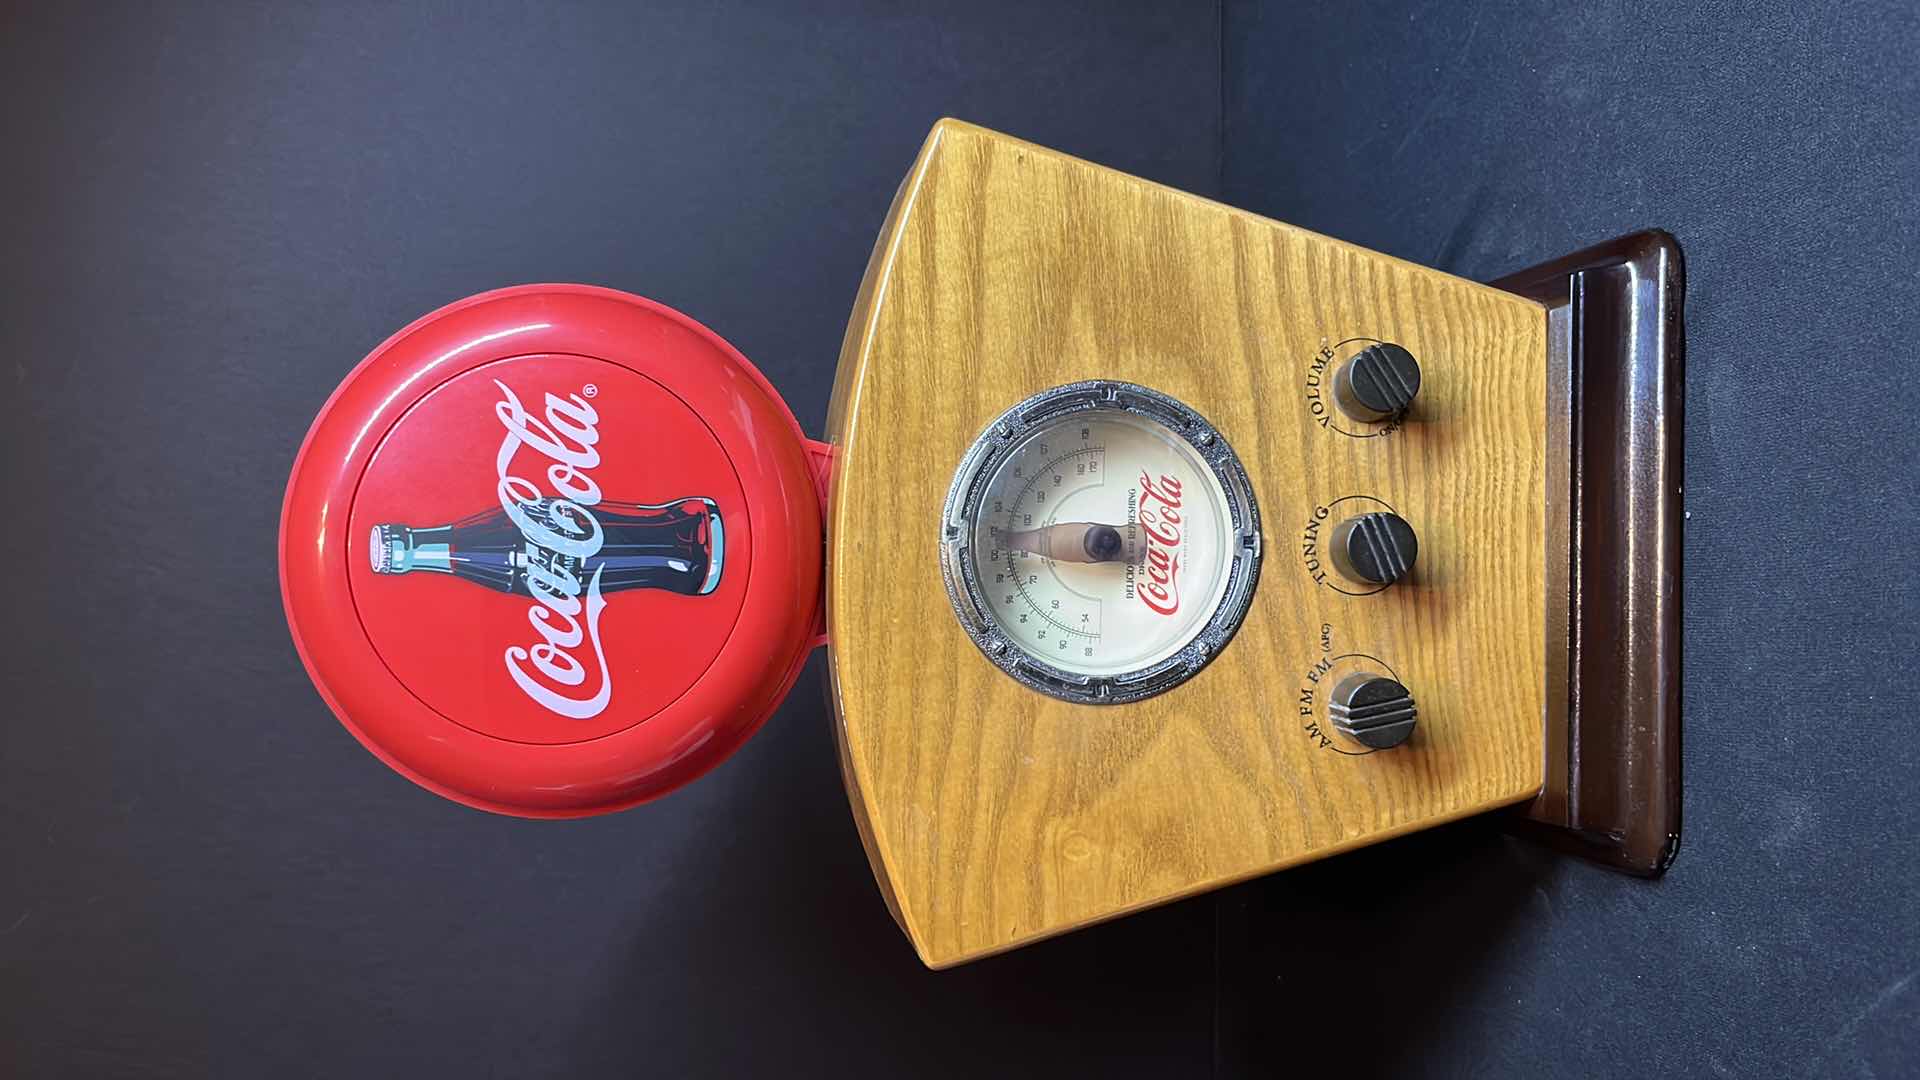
(1100, 542)
(1374, 549)
(1377, 383)
(1372, 710)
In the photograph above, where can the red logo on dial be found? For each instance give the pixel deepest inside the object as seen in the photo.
(1160, 523)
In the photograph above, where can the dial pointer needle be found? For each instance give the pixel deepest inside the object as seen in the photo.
(1069, 541)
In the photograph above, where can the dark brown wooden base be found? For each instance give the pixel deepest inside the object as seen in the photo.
(1612, 789)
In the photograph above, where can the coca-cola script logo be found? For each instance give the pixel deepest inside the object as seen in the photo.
(566, 437)
(547, 560)
(1160, 583)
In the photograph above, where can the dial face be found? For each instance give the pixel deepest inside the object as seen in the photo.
(1101, 542)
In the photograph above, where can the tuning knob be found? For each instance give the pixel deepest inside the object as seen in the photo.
(1377, 382)
(1374, 549)
(1372, 710)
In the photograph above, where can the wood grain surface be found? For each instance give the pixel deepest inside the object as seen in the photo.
(994, 815)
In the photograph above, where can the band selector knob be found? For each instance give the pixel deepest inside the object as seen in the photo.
(1372, 710)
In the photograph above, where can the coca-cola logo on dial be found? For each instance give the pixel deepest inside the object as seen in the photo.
(1161, 528)
(554, 548)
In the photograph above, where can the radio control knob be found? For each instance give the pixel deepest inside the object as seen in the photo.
(1372, 710)
(1376, 383)
(1374, 549)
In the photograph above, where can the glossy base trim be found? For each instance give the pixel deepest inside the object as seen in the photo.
(1613, 790)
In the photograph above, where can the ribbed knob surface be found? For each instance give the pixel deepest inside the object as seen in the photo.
(1372, 710)
(1378, 382)
(1374, 549)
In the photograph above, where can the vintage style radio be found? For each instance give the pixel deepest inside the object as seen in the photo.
(1155, 545)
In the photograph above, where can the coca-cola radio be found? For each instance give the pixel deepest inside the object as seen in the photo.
(1155, 545)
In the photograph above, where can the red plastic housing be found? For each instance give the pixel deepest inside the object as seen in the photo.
(553, 550)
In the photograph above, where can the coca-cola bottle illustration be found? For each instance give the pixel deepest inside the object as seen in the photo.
(678, 546)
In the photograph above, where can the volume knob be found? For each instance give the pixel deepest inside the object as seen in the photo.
(1374, 549)
(1372, 710)
(1377, 382)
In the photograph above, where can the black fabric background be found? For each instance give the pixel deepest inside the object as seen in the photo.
(213, 211)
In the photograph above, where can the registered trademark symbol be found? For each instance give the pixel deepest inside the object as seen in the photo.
(590, 390)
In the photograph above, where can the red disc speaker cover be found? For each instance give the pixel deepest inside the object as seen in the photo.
(553, 550)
